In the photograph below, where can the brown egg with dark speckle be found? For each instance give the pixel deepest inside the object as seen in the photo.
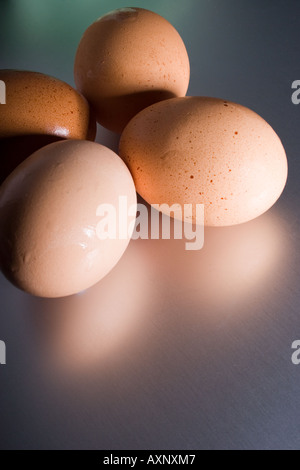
(39, 110)
(200, 150)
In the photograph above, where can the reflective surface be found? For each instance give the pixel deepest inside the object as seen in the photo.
(173, 349)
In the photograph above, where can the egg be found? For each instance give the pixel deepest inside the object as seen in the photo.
(39, 110)
(50, 242)
(200, 150)
(128, 60)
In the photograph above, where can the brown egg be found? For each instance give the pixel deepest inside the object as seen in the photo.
(197, 150)
(39, 110)
(128, 60)
(49, 210)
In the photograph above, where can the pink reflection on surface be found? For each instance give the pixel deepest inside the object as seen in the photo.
(159, 291)
(235, 263)
(85, 331)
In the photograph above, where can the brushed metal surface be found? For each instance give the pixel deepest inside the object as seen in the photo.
(174, 349)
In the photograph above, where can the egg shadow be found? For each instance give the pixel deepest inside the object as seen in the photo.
(130, 105)
(108, 138)
(14, 150)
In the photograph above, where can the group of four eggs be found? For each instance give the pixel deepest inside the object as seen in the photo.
(132, 73)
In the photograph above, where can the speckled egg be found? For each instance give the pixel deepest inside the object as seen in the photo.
(198, 150)
(39, 110)
(128, 60)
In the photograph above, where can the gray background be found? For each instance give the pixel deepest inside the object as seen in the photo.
(174, 349)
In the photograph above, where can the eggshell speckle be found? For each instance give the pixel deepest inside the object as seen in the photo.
(39, 110)
(49, 244)
(198, 150)
(128, 60)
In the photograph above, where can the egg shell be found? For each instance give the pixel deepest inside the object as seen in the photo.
(200, 150)
(128, 60)
(48, 210)
(39, 110)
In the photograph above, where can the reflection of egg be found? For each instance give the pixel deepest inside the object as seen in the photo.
(49, 244)
(128, 60)
(39, 110)
(96, 329)
(207, 151)
(236, 266)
